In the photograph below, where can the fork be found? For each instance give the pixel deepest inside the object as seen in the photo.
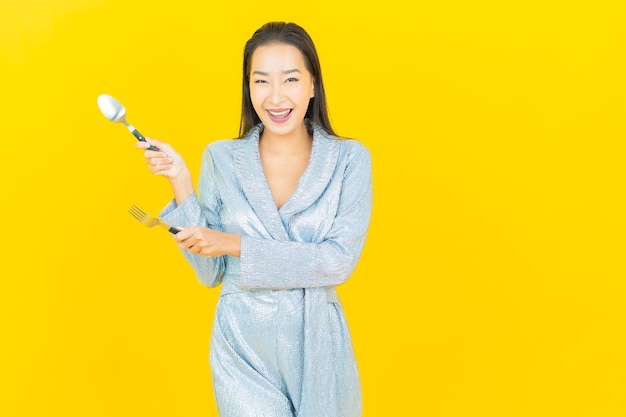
(150, 221)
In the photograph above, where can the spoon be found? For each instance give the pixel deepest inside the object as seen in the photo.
(116, 113)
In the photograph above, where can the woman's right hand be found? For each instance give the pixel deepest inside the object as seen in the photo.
(166, 162)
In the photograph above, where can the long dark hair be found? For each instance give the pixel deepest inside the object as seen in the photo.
(291, 34)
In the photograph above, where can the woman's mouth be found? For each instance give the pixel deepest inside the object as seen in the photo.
(279, 115)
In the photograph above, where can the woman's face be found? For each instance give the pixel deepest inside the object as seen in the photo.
(280, 88)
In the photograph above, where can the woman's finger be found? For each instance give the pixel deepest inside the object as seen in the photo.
(155, 154)
(184, 235)
(159, 161)
(157, 143)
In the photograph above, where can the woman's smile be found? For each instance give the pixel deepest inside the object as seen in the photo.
(279, 115)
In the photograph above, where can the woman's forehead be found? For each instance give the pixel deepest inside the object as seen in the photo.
(277, 57)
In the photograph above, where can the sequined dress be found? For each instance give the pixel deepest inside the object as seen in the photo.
(280, 345)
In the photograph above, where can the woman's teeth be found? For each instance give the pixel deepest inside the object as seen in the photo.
(279, 114)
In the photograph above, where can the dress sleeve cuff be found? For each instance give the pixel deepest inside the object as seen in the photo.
(183, 215)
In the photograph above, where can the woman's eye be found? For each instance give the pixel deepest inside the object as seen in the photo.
(292, 80)
(259, 81)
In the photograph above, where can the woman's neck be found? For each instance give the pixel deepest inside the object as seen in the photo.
(295, 142)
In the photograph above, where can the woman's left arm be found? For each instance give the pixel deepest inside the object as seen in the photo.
(272, 264)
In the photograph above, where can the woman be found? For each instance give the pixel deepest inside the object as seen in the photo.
(280, 220)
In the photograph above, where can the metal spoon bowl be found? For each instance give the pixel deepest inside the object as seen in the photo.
(116, 113)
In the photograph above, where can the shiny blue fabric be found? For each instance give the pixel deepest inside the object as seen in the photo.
(280, 345)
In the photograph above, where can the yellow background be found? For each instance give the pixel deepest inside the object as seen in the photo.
(492, 282)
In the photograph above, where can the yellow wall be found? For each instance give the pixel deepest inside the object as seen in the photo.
(492, 283)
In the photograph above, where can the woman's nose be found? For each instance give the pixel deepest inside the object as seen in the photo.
(276, 94)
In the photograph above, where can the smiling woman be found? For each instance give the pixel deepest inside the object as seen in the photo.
(280, 221)
(492, 280)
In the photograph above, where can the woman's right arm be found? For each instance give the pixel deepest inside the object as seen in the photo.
(166, 162)
(187, 211)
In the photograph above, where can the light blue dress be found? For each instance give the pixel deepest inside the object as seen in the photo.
(280, 345)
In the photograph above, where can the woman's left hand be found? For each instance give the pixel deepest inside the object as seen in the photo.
(208, 242)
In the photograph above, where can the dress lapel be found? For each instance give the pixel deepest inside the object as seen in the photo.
(313, 182)
(250, 174)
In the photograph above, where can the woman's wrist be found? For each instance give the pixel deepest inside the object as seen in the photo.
(235, 245)
(182, 186)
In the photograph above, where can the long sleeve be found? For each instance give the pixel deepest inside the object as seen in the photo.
(278, 264)
(202, 211)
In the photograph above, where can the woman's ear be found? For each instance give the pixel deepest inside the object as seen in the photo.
(312, 87)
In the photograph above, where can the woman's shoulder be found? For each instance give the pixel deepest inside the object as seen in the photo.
(228, 145)
(220, 144)
(353, 148)
(349, 152)
(354, 145)
(348, 145)
(220, 147)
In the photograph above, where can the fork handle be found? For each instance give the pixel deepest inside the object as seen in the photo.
(173, 230)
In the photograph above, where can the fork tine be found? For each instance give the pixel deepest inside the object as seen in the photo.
(133, 211)
(137, 213)
(138, 210)
(134, 214)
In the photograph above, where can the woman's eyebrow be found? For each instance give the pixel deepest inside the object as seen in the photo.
(265, 74)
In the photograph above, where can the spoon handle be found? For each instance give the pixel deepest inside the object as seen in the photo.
(140, 137)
